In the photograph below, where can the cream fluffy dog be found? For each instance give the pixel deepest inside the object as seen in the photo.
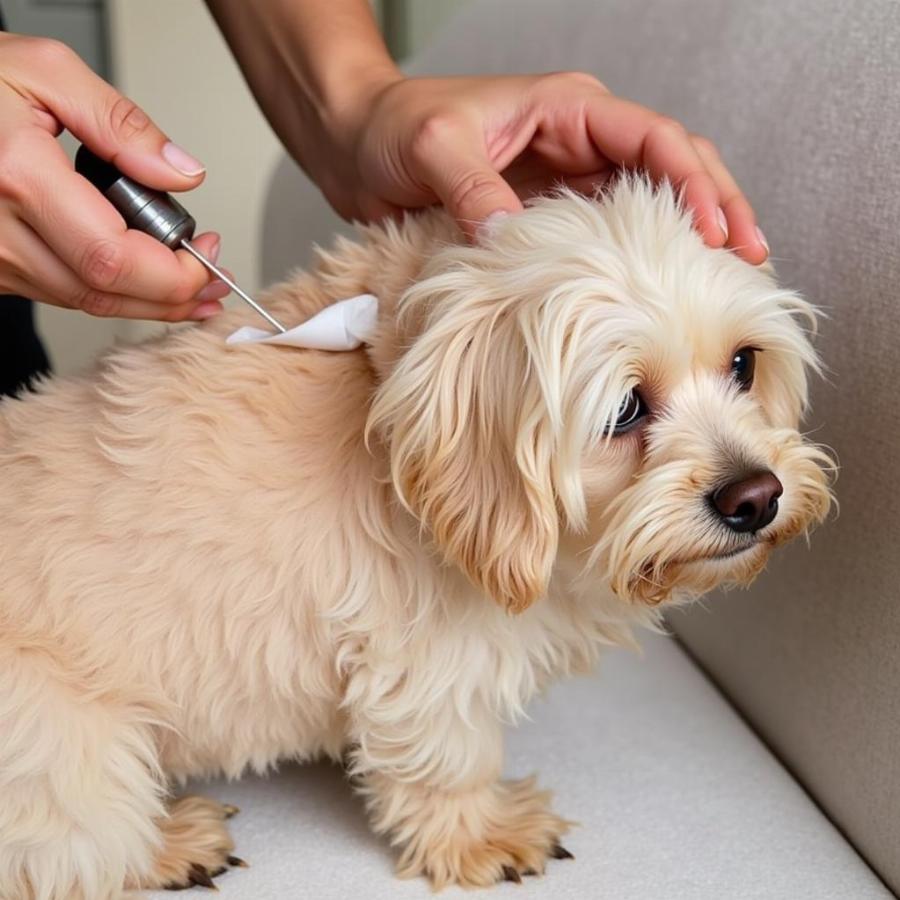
(214, 559)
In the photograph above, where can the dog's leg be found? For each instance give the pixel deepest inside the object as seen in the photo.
(80, 786)
(196, 845)
(476, 836)
(430, 776)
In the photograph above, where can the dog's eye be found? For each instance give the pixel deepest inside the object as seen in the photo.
(631, 410)
(743, 364)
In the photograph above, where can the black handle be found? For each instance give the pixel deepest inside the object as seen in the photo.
(101, 174)
(145, 209)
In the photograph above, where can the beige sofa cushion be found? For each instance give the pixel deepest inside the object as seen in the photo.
(677, 800)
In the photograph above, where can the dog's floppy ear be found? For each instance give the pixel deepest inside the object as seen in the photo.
(469, 456)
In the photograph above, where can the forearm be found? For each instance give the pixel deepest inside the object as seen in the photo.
(310, 63)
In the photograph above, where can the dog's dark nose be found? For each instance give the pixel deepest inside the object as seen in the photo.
(748, 504)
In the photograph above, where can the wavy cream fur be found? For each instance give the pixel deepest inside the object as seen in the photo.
(216, 559)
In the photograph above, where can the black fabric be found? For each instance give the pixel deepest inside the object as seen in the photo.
(22, 355)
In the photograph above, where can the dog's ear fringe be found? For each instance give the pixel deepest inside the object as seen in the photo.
(453, 438)
(481, 515)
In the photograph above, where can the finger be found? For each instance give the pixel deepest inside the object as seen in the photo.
(209, 244)
(472, 191)
(744, 237)
(453, 165)
(206, 310)
(636, 137)
(90, 237)
(114, 127)
(668, 154)
(116, 306)
(47, 279)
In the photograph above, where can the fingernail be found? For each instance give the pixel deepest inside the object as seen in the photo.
(215, 290)
(490, 221)
(723, 222)
(213, 255)
(762, 239)
(206, 310)
(182, 160)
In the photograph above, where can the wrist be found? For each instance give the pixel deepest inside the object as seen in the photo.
(313, 65)
(346, 97)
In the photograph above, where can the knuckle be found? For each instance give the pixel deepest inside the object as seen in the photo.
(577, 79)
(13, 163)
(98, 303)
(126, 119)
(469, 189)
(431, 132)
(666, 128)
(46, 52)
(183, 293)
(738, 205)
(704, 147)
(175, 314)
(8, 260)
(104, 265)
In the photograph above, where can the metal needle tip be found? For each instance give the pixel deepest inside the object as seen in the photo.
(223, 277)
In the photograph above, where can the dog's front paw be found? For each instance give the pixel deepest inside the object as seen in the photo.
(476, 839)
(197, 846)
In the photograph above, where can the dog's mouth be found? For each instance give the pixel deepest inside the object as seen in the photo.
(731, 553)
(735, 551)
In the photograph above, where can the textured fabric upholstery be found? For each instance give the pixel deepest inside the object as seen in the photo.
(803, 99)
(677, 800)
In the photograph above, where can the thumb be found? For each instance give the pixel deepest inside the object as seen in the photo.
(111, 125)
(470, 189)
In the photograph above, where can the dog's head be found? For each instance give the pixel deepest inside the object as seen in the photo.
(593, 373)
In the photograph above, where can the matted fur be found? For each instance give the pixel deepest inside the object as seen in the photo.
(215, 559)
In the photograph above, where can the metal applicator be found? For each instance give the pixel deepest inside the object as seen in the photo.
(155, 213)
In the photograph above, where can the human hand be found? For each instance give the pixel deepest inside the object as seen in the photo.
(61, 241)
(480, 145)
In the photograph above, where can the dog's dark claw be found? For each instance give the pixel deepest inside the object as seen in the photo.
(230, 810)
(529, 872)
(511, 874)
(200, 875)
(560, 852)
(237, 861)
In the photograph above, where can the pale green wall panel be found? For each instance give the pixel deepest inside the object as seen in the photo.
(408, 24)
